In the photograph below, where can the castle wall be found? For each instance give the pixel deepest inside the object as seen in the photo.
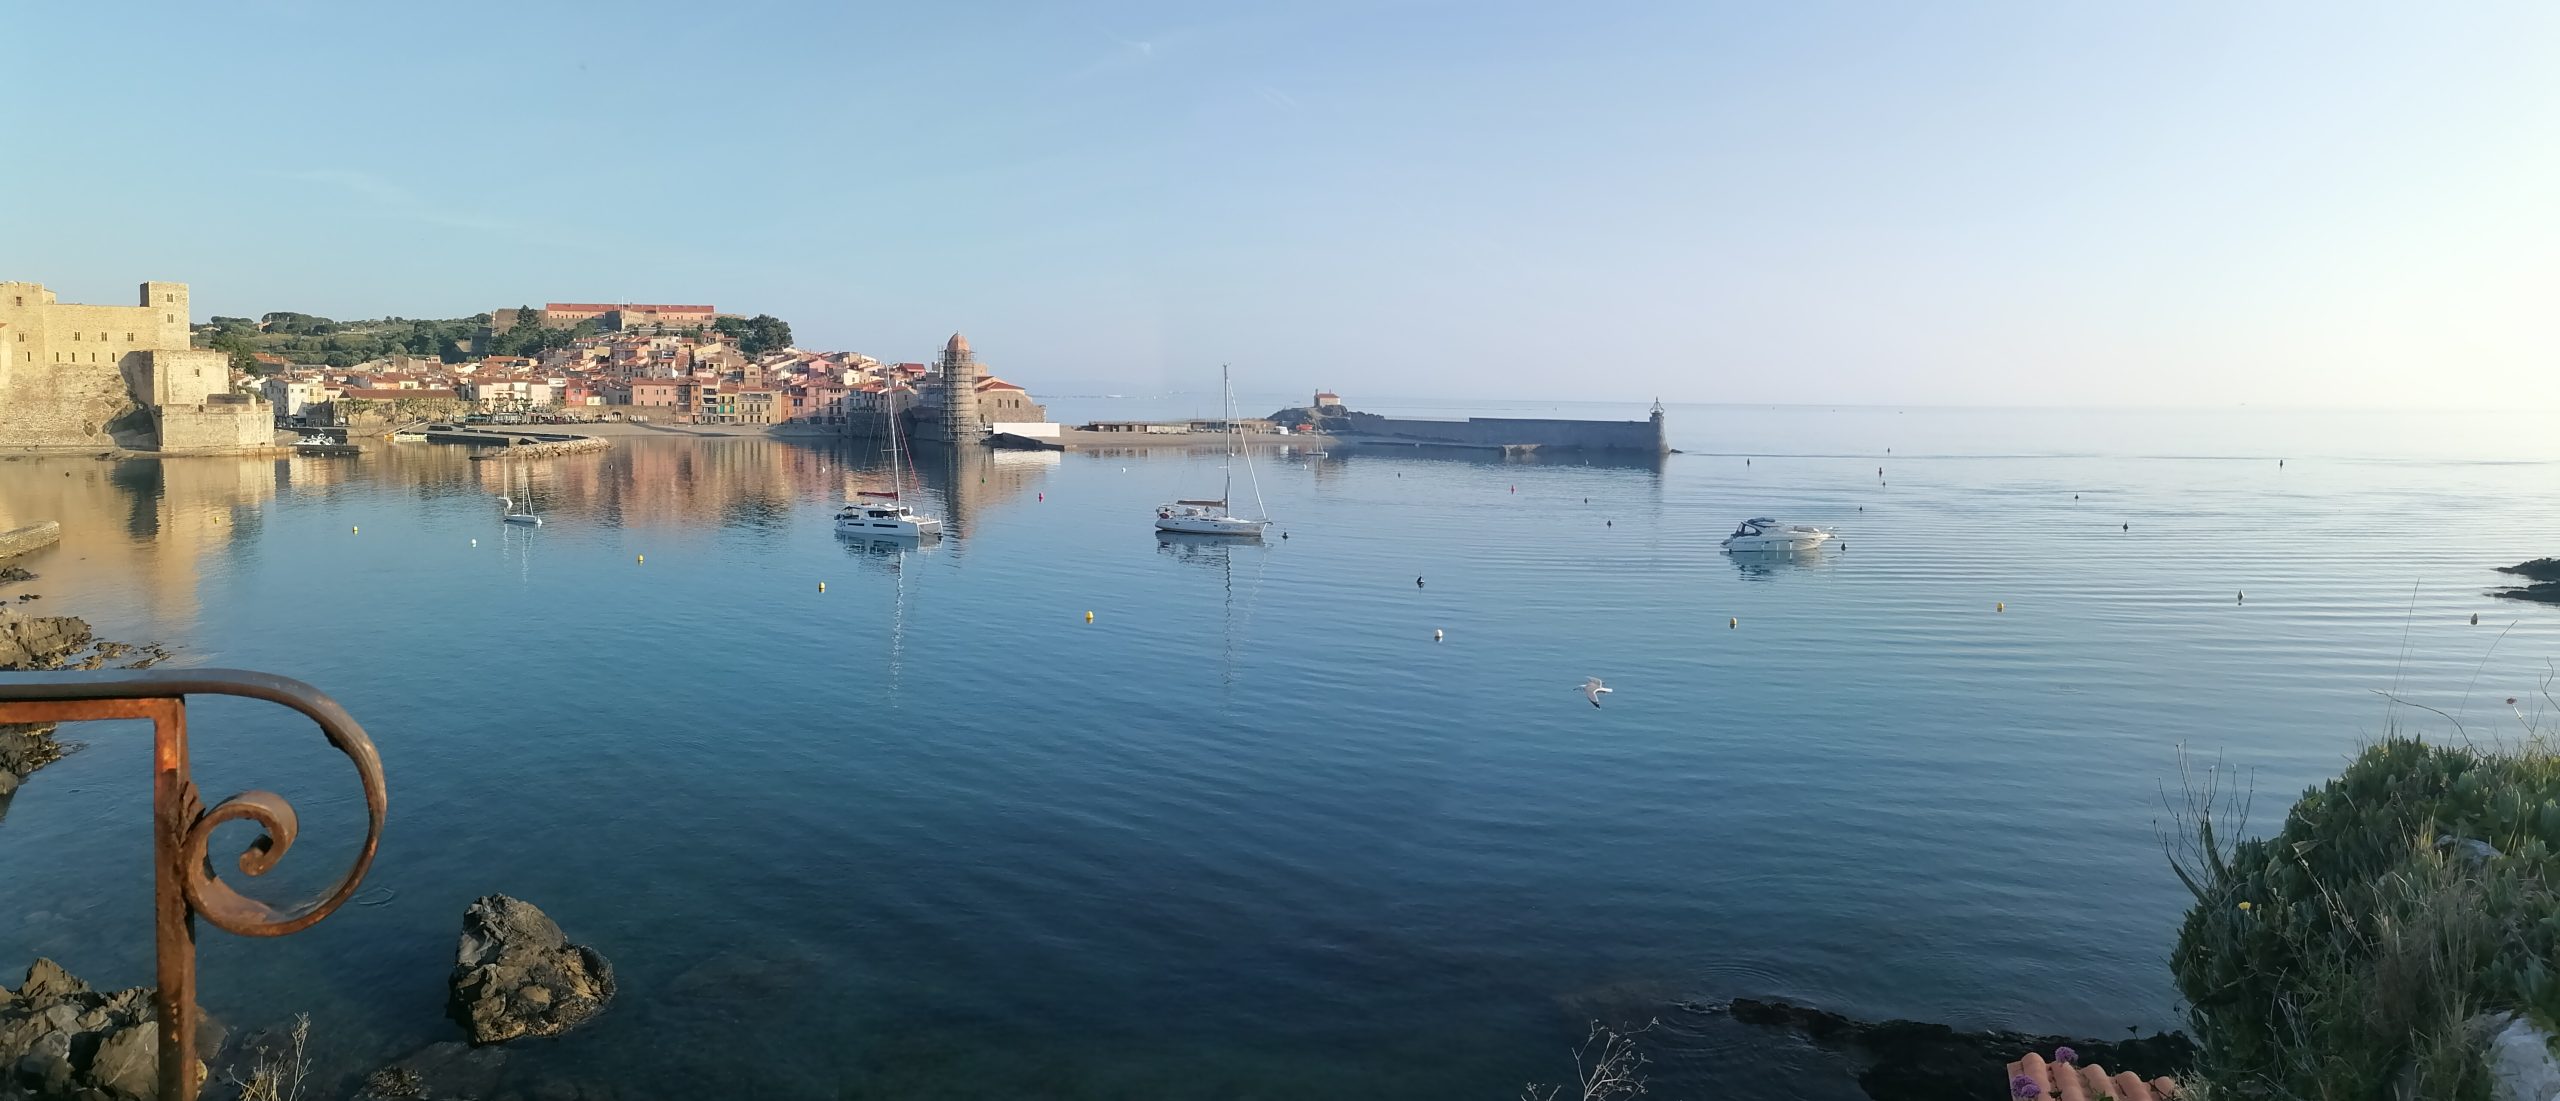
(67, 369)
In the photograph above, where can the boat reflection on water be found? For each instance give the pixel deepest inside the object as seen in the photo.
(884, 552)
(1765, 565)
(1205, 550)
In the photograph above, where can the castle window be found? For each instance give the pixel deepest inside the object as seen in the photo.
(128, 338)
(75, 336)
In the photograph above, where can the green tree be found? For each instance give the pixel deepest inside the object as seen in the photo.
(764, 333)
(243, 354)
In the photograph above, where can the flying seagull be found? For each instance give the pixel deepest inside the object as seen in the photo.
(1592, 690)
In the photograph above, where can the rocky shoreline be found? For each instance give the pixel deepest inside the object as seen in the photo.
(2544, 573)
(34, 642)
(1920, 1061)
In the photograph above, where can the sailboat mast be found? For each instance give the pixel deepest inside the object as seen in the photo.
(1227, 394)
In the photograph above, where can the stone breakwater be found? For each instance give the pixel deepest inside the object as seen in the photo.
(542, 450)
(17, 541)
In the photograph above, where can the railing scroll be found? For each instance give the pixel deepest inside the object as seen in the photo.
(182, 827)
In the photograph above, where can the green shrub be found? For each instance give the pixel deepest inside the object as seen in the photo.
(2346, 956)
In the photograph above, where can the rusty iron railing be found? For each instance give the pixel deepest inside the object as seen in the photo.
(182, 827)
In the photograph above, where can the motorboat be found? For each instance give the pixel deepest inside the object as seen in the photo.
(323, 445)
(884, 516)
(1761, 533)
(1208, 517)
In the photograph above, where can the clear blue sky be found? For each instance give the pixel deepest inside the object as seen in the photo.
(2158, 204)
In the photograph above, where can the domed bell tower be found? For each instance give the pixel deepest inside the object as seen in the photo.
(960, 377)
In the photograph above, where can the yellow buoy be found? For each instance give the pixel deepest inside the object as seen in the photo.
(822, 586)
(639, 558)
(1733, 622)
(2000, 607)
(1435, 634)
(1088, 617)
(353, 530)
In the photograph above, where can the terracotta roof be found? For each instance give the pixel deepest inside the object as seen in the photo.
(957, 343)
(996, 384)
(399, 395)
(2085, 1082)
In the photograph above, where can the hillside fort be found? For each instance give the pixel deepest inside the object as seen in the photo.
(81, 376)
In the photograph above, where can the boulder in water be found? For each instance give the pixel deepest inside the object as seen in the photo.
(516, 975)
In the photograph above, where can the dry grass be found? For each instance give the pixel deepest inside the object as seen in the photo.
(278, 1076)
(1607, 1064)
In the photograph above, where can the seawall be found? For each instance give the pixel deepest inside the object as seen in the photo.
(17, 541)
(1502, 433)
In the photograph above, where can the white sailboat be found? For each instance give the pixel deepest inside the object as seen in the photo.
(507, 506)
(885, 515)
(1204, 517)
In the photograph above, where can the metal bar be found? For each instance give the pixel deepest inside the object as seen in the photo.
(171, 791)
(183, 882)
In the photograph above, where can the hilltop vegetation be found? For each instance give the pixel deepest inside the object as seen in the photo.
(308, 338)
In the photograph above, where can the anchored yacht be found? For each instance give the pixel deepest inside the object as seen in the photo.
(1761, 533)
(1206, 517)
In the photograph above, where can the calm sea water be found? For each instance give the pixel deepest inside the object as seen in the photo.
(1251, 832)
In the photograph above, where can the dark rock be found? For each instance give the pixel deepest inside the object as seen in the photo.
(24, 748)
(40, 642)
(2540, 569)
(1919, 1061)
(15, 575)
(2544, 572)
(61, 1041)
(438, 1072)
(128, 1062)
(515, 975)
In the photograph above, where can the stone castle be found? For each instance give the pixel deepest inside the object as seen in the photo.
(76, 376)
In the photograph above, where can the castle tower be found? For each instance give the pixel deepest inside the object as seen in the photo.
(960, 377)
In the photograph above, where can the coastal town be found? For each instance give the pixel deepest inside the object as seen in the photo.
(672, 364)
(146, 378)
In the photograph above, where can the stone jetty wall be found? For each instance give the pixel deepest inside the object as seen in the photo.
(17, 541)
(541, 450)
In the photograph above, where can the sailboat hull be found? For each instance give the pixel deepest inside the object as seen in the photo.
(1212, 525)
(525, 518)
(886, 523)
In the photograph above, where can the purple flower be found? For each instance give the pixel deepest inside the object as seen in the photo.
(2064, 1054)
(2023, 1086)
